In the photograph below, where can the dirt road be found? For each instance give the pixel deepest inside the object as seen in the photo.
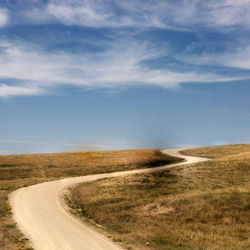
(40, 213)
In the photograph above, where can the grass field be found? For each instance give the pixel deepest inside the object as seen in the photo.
(200, 206)
(22, 170)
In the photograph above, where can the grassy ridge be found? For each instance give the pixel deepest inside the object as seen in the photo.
(218, 151)
(76, 164)
(200, 206)
(23, 170)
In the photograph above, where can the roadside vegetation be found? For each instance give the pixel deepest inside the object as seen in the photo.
(23, 170)
(200, 206)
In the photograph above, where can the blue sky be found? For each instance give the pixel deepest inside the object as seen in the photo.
(93, 75)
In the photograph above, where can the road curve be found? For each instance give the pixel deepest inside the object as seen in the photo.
(40, 213)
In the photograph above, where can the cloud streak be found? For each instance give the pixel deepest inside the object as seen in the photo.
(64, 146)
(3, 17)
(42, 146)
(123, 63)
(8, 91)
(233, 57)
(165, 14)
(27, 69)
(49, 143)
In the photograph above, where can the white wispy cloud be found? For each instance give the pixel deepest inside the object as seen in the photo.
(8, 91)
(228, 12)
(6, 152)
(49, 143)
(3, 17)
(35, 146)
(233, 57)
(36, 71)
(64, 146)
(163, 14)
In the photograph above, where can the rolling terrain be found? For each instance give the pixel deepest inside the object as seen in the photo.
(41, 213)
(200, 205)
(17, 171)
(203, 205)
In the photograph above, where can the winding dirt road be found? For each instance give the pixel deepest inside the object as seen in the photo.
(40, 213)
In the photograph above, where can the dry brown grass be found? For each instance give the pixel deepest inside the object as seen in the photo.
(218, 151)
(200, 206)
(75, 164)
(22, 170)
